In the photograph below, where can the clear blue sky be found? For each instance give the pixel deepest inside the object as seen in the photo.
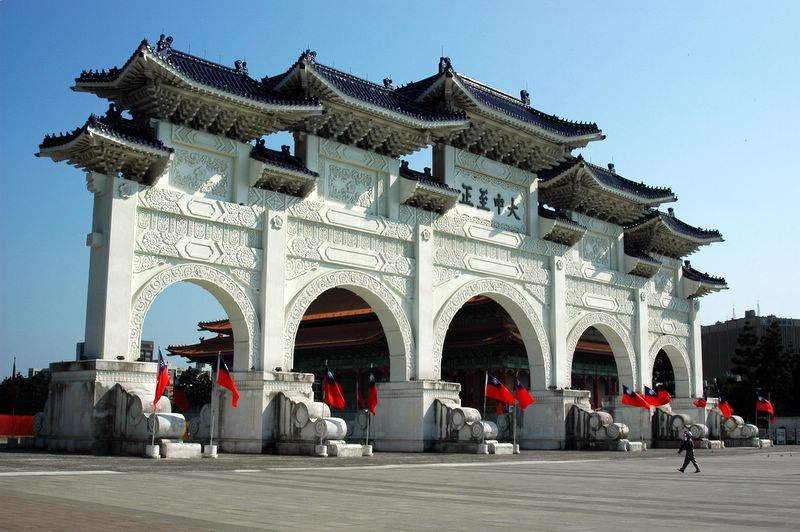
(701, 97)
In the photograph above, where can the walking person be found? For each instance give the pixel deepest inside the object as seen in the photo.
(688, 446)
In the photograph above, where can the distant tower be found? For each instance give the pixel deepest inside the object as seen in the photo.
(758, 308)
(733, 313)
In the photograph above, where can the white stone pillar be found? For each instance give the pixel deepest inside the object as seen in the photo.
(695, 351)
(272, 303)
(533, 209)
(392, 199)
(641, 338)
(423, 304)
(558, 324)
(241, 174)
(111, 243)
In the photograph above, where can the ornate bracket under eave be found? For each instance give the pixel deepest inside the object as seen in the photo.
(281, 178)
(559, 229)
(428, 195)
(95, 148)
(696, 284)
(641, 264)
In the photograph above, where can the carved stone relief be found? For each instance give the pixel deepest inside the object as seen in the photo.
(200, 173)
(351, 187)
(596, 249)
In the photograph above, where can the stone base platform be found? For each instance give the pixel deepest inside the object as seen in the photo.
(500, 448)
(745, 442)
(460, 447)
(180, 450)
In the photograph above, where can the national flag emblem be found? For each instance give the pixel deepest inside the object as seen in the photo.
(497, 391)
(764, 405)
(725, 407)
(631, 398)
(373, 394)
(225, 380)
(651, 396)
(525, 399)
(701, 402)
(332, 390)
(162, 380)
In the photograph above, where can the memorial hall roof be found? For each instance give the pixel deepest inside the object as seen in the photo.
(696, 275)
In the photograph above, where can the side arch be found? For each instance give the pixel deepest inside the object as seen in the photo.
(519, 309)
(617, 337)
(241, 311)
(679, 358)
(396, 327)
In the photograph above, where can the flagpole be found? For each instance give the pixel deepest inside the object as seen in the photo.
(213, 382)
(16, 394)
(514, 421)
(485, 385)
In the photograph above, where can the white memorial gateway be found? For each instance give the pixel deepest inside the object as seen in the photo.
(185, 189)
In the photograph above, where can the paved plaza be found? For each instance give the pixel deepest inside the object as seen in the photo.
(738, 489)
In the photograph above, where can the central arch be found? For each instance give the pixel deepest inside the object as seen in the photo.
(395, 325)
(616, 336)
(519, 309)
(225, 289)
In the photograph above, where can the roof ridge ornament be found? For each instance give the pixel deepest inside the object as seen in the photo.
(445, 65)
(388, 84)
(525, 96)
(241, 67)
(309, 56)
(164, 45)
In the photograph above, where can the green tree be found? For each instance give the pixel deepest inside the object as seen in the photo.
(25, 396)
(197, 385)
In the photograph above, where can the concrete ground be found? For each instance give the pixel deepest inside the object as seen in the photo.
(738, 489)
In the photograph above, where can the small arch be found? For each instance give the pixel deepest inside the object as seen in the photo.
(617, 337)
(231, 296)
(519, 309)
(395, 325)
(678, 357)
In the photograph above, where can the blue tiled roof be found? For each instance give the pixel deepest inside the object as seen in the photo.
(610, 179)
(282, 159)
(205, 72)
(515, 108)
(505, 104)
(676, 225)
(422, 177)
(371, 93)
(695, 275)
(122, 128)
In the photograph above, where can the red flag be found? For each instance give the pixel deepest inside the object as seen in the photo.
(163, 378)
(725, 407)
(631, 398)
(373, 394)
(701, 402)
(179, 396)
(650, 396)
(525, 399)
(664, 397)
(496, 390)
(225, 380)
(764, 405)
(333, 393)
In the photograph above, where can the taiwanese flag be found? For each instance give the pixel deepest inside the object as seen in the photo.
(163, 378)
(373, 394)
(525, 399)
(664, 397)
(225, 380)
(725, 407)
(651, 396)
(631, 398)
(496, 390)
(332, 391)
(764, 405)
(179, 396)
(701, 403)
